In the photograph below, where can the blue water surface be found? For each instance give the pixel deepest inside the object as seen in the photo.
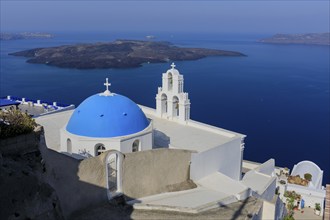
(278, 95)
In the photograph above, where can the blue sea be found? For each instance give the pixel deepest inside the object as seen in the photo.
(278, 95)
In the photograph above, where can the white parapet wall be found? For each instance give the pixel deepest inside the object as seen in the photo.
(262, 180)
(225, 155)
(250, 165)
(274, 209)
(62, 109)
(224, 158)
(306, 166)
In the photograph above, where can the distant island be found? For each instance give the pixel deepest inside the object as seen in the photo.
(312, 38)
(24, 35)
(117, 54)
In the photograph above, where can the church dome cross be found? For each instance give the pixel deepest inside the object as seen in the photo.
(107, 91)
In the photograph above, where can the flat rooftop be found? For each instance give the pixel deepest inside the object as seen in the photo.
(193, 136)
(6, 102)
(212, 192)
(33, 107)
(52, 124)
(32, 110)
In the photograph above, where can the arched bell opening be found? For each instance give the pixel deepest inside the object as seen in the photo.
(170, 81)
(175, 106)
(164, 103)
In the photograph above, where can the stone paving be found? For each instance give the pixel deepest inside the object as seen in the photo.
(239, 211)
(308, 214)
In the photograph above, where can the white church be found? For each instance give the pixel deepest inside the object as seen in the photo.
(111, 121)
(113, 129)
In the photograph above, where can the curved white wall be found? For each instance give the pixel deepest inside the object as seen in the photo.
(309, 167)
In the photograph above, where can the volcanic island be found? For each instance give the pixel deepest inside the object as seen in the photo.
(117, 54)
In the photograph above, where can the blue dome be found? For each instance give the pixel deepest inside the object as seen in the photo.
(107, 116)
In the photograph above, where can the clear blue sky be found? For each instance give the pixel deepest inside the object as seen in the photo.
(203, 16)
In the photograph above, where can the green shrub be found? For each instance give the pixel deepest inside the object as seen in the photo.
(288, 217)
(292, 194)
(14, 122)
(317, 206)
(290, 205)
(308, 176)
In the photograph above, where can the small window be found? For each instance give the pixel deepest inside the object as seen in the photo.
(136, 146)
(69, 146)
(99, 149)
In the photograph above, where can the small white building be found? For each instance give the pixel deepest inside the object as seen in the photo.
(314, 192)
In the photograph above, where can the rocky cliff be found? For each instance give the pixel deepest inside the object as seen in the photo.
(24, 192)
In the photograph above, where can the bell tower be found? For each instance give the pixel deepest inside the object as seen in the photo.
(171, 102)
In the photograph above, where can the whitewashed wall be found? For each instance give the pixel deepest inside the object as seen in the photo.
(123, 144)
(309, 167)
(269, 190)
(80, 143)
(274, 209)
(267, 168)
(225, 158)
(145, 143)
(309, 195)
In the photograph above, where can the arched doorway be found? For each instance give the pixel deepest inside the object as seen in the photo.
(136, 146)
(175, 106)
(164, 103)
(170, 81)
(69, 146)
(113, 174)
(99, 149)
